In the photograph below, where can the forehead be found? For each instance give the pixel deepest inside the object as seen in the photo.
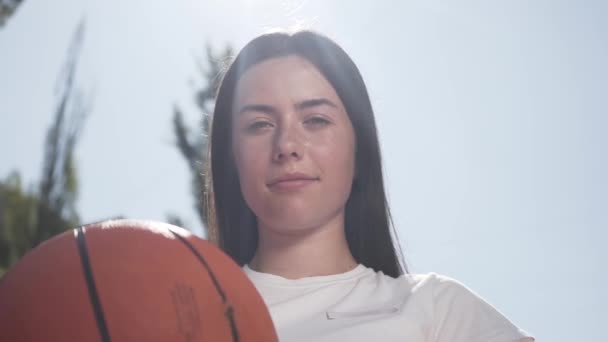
(287, 79)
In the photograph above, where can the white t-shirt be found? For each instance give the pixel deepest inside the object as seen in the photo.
(364, 305)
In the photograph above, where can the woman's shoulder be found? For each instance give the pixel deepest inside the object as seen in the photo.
(438, 285)
(457, 313)
(418, 283)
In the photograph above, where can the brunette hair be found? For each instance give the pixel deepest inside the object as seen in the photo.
(368, 224)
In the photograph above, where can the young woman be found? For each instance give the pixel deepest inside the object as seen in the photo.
(296, 197)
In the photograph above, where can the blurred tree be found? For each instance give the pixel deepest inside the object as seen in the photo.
(30, 217)
(192, 143)
(7, 8)
(17, 220)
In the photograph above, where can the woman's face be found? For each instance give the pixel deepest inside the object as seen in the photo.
(293, 144)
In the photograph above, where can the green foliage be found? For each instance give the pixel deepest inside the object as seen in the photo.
(192, 143)
(25, 221)
(7, 9)
(27, 218)
(17, 219)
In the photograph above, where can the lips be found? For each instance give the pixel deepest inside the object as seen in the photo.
(291, 181)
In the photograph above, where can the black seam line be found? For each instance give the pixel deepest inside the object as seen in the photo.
(229, 313)
(88, 275)
(200, 258)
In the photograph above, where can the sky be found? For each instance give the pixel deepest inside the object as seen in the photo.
(492, 117)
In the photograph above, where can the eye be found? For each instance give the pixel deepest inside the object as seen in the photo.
(258, 125)
(316, 121)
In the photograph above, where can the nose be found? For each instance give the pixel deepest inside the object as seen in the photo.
(288, 144)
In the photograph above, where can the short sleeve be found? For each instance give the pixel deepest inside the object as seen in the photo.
(460, 315)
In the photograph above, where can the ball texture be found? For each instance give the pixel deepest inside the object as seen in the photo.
(130, 280)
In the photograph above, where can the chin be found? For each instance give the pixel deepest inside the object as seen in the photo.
(300, 222)
(290, 224)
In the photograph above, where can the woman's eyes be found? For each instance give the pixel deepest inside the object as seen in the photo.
(258, 125)
(316, 121)
(313, 121)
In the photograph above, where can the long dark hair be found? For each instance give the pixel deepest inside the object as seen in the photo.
(368, 224)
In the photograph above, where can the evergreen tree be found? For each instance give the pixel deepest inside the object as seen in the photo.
(7, 9)
(29, 217)
(192, 143)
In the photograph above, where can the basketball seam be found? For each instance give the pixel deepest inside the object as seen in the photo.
(229, 313)
(92, 289)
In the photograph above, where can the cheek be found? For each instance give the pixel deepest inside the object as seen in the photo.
(250, 162)
(337, 157)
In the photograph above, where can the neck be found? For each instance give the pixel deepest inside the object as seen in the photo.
(317, 251)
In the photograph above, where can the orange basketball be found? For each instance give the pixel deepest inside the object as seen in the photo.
(128, 280)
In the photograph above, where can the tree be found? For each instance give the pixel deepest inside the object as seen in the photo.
(7, 8)
(17, 220)
(192, 143)
(30, 217)
(58, 188)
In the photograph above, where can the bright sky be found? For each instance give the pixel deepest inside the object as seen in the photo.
(492, 116)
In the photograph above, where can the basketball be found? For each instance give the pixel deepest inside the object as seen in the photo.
(130, 280)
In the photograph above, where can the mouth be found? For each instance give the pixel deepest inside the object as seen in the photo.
(291, 182)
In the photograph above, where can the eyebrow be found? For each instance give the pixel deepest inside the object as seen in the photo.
(306, 104)
(258, 108)
(314, 103)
